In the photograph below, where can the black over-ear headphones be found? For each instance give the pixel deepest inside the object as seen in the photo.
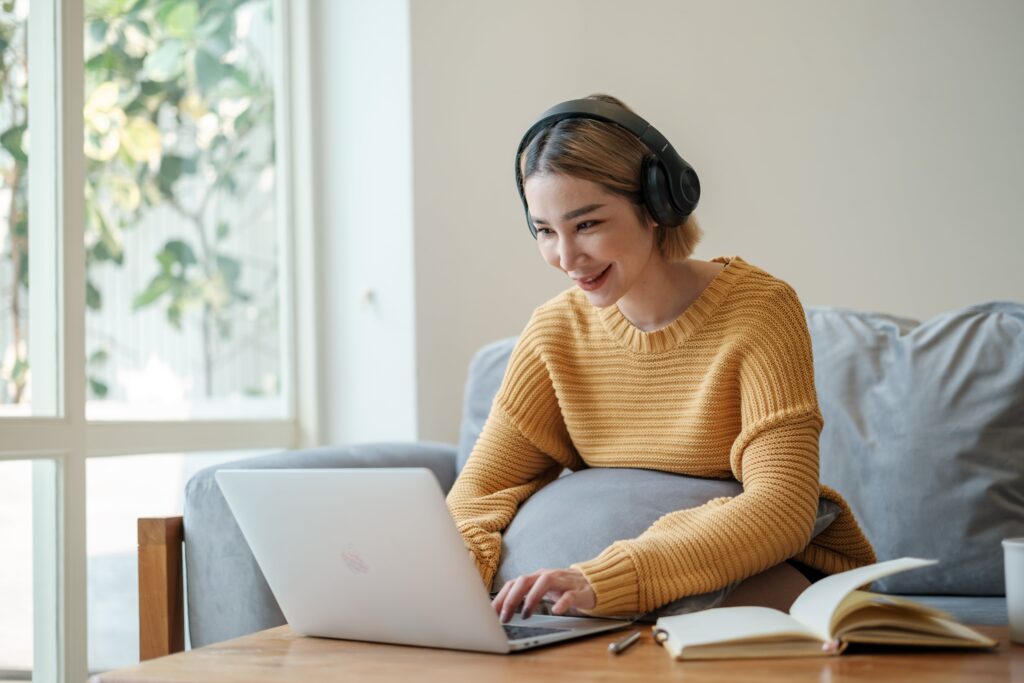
(670, 185)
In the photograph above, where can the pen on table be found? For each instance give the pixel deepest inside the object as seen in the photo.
(620, 645)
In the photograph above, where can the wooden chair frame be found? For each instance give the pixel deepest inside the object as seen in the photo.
(161, 587)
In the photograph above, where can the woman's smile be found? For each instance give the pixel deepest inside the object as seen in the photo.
(593, 282)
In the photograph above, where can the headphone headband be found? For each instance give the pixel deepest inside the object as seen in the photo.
(670, 185)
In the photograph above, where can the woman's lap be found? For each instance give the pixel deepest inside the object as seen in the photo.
(776, 587)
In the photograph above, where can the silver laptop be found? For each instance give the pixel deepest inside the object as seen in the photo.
(373, 554)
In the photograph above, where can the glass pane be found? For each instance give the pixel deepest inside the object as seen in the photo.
(181, 213)
(119, 490)
(28, 569)
(15, 378)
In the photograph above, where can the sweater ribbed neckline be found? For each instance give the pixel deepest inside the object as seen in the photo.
(627, 335)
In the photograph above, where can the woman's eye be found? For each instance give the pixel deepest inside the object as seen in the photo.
(544, 231)
(585, 224)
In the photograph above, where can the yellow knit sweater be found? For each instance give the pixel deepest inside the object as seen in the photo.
(725, 390)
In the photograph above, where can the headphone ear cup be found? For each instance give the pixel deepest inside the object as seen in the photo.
(657, 197)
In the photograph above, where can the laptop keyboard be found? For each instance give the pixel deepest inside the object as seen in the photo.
(517, 632)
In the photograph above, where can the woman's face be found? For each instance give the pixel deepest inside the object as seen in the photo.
(591, 235)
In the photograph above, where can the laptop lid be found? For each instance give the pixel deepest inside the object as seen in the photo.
(373, 554)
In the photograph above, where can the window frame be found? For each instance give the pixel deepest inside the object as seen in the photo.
(58, 431)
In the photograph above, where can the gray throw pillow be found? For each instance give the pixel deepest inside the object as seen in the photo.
(575, 517)
(924, 436)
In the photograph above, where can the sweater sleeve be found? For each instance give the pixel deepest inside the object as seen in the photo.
(523, 446)
(775, 457)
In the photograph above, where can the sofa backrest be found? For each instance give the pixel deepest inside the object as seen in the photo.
(924, 434)
(483, 380)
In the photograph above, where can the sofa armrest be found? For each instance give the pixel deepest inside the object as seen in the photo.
(161, 615)
(227, 593)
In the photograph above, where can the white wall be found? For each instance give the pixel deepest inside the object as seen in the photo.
(362, 160)
(868, 152)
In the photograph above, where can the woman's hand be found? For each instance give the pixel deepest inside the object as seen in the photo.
(567, 588)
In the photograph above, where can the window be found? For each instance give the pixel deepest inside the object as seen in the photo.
(27, 581)
(145, 289)
(180, 210)
(15, 378)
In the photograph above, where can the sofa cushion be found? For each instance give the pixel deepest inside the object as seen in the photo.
(575, 517)
(924, 437)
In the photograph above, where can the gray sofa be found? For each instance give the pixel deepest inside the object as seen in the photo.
(924, 436)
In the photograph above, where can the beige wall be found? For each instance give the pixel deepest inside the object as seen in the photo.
(868, 152)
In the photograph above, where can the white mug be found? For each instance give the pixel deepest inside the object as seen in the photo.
(1013, 556)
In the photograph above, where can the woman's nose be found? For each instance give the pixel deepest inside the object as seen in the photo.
(568, 254)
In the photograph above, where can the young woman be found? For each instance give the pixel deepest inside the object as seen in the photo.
(655, 360)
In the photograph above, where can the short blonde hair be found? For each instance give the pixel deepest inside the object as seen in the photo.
(612, 157)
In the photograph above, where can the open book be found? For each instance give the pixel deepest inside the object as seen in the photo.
(824, 618)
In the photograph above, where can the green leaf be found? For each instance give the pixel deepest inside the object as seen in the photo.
(18, 371)
(98, 387)
(150, 88)
(98, 357)
(209, 70)
(141, 139)
(107, 8)
(174, 315)
(103, 98)
(167, 62)
(98, 30)
(222, 230)
(173, 167)
(158, 286)
(212, 20)
(100, 253)
(182, 252)
(11, 140)
(124, 191)
(103, 61)
(167, 261)
(179, 19)
(93, 298)
(111, 244)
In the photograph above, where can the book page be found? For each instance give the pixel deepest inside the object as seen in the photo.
(816, 606)
(858, 602)
(730, 625)
(937, 632)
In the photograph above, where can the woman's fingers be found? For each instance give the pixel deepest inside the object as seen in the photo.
(501, 599)
(515, 595)
(568, 586)
(546, 581)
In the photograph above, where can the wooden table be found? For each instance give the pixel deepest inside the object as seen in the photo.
(278, 654)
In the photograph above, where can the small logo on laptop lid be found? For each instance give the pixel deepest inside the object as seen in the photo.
(355, 561)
